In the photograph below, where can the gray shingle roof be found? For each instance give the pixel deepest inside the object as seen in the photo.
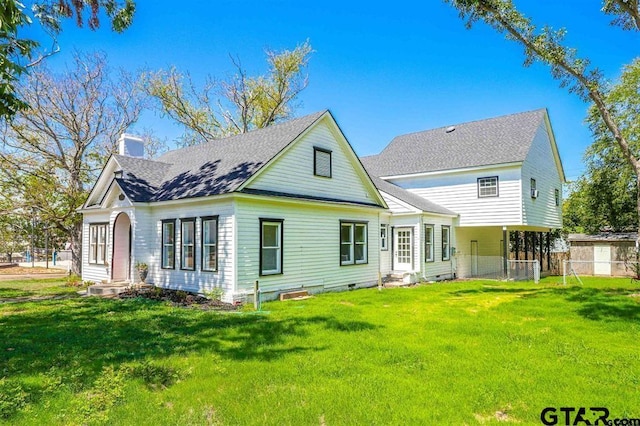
(212, 168)
(605, 236)
(409, 197)
(497, 140)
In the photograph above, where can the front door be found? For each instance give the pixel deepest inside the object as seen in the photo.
(121, 259)
(403, 249)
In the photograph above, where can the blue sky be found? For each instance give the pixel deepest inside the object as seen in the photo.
(383, 69)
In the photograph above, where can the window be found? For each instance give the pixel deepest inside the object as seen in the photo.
(428, 243)
(187, 235)
(445, 242)
(384, 237)
(534, 189)
(557, 197)
(168, 244)
(488, 187)
(353, 243)
(209, 243)
(321, 162)
(97, 243)
(271, 234)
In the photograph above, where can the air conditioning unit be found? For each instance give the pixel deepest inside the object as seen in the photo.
(534, 193)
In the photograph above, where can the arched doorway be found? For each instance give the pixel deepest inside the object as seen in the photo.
(121, 259)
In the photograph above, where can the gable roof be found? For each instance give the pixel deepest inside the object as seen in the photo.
(499, 140)
(216, 167)
(410, 198)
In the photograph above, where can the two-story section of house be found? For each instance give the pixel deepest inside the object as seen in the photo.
(502, 176)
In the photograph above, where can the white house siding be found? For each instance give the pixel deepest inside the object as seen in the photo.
(458, 191)
(294, 173)
(489, 256)
(149, 246)
(95, 273)
(311, 246)
(540, 165)
(438, 269)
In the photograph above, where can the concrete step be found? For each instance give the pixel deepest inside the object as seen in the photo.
(107, 289)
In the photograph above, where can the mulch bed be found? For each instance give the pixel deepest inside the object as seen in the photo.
(179, 298)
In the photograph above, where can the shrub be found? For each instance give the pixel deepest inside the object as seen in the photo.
(12, 397)
(153, 375)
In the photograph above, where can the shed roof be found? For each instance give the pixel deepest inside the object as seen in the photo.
(499, 140)
(604, 237)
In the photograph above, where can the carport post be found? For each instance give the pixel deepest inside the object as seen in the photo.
(504, 249)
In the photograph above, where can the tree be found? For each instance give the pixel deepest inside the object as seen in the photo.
(546, 46)
(53, 150)
(244, 103)
(18, 54)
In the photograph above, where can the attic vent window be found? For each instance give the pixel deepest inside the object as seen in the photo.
(321, 162)
(450, 129)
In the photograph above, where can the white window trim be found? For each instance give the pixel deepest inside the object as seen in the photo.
(212, 246)
(278, 247)
(446, 246)
(98, 248)
(482, 186)
(166, 245)
(429, 254)
(352, 243)
(384, 237)
(184, 222)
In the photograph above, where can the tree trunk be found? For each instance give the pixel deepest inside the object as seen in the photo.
(637, 170)
(76, 248)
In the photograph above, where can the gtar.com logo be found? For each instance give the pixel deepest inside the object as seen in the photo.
(551, 416)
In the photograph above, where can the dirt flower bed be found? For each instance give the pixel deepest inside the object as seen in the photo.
(19, 270)
(179, 298)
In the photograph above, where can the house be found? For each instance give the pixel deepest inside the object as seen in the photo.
(503, 179)
(605, 254)
(291, 206)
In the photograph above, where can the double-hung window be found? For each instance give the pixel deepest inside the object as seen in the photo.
(187, 242)
(271, 236)
(428, 243)
(209, 243)
(353, 243)
(446, 245)
(168, 244)
(384, 237)
(488, 187)
(534, 188)
(97, 243)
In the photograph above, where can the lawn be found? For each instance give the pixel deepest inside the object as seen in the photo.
(35, 288)
(450, 353)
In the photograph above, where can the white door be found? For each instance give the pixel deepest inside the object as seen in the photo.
(403, 249)
(602, 260)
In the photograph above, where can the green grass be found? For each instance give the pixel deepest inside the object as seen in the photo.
(450, 353)
(35, 287)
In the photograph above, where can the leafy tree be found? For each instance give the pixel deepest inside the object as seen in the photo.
(238, 105)
(18, 54)
(52, 151)
(545, 45)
